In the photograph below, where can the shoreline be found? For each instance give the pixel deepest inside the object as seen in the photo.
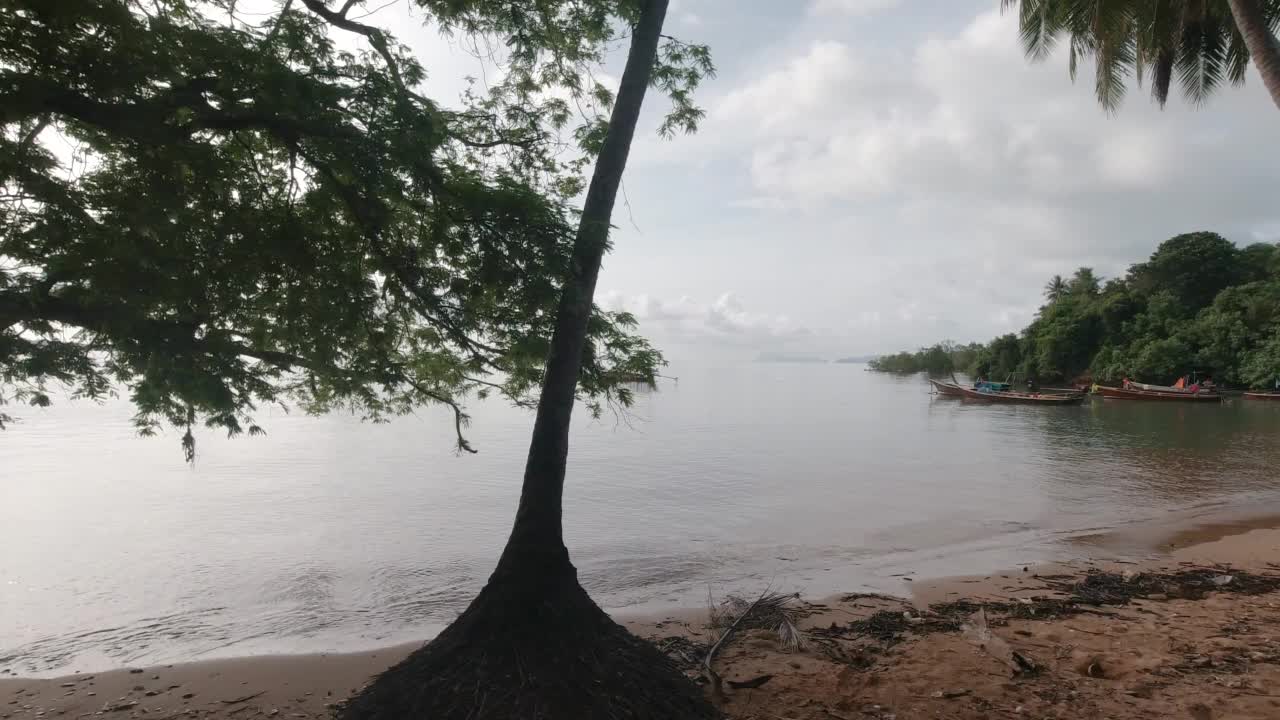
(307, 686)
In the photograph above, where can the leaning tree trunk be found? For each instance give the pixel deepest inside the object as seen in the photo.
(1263, 46)
(533, 644)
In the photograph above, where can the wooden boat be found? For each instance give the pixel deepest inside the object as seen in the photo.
(1157, 388)
(946, 388)
(1262, 395)
(956, 390)
(1135, 394)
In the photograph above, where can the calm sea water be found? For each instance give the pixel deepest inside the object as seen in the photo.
(332, 534)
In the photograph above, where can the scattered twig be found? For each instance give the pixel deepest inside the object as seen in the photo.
(243, 699)
(753, 683)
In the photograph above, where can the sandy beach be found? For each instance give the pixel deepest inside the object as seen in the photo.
(1194, 633)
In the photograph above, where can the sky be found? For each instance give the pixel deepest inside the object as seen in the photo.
(875, 175)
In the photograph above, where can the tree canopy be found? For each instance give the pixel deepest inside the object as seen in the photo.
(1199, 303)
(214, 215)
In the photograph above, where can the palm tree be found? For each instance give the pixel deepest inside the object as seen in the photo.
(1203, 41)
(1084, 282)
(1055, 289)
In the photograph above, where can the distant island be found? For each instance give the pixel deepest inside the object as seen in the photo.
(858, 359)
(784, 357)
(1199, 304)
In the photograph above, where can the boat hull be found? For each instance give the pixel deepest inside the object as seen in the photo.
(1129, 394)
(946, 388)
(954, 390)
(1262, 395)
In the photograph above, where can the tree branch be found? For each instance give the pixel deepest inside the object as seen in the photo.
(377, 38)
(459, 417)
(15, 307)
(275, 27)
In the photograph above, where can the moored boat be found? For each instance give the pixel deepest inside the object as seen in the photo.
(1262, 395)
(946, 388)
(1159, 388)
(998, 396)
(1135, 394)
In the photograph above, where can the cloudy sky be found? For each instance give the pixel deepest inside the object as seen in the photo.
(881, 174)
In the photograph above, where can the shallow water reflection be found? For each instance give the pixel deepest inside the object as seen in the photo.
(331, 534)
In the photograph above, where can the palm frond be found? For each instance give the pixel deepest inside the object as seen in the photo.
(1162, 75)
(1202, 54)
(1195, 39)
(1237, 55)
(1112, 26)
(772, 611)
(1039, 26)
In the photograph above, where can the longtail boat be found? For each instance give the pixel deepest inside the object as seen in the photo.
(1262, 395)
(1135, 394)
(946, 388)
(1158, 388)
(956, 390)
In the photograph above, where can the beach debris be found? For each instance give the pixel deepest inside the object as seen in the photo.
(771, 611)
(951, 694)
(120, 707)
(135, 671)
(711, 674)
(1221, 580)
(774, 611)
(754, 682)
(1024, 664)
(246, 698)
(1092, 667)
(686, 653)
(978, 631)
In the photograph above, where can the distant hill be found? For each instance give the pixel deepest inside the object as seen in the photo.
(857, 359)
(782, 357)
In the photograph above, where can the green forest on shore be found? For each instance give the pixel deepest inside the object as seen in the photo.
(1198, 304)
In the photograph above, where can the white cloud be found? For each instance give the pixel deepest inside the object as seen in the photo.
(724, 320)
(851, 7)
(1016, 157)
(893, 194)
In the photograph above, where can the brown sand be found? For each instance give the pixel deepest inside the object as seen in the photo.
(1214, 657)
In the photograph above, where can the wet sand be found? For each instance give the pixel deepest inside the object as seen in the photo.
(1216, 656)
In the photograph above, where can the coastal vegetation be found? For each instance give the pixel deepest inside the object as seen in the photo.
(942, 358)
(214, 210)
(1198, 304)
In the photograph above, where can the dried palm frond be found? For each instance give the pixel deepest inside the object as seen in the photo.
(773, 611)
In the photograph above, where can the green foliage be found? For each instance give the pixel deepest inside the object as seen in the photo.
(1001, 358)
(1197, 40)
(252, 215)
(1198, 304)
(1084, 283)
(1055, 289)
(1194, 267)
(941, 359)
